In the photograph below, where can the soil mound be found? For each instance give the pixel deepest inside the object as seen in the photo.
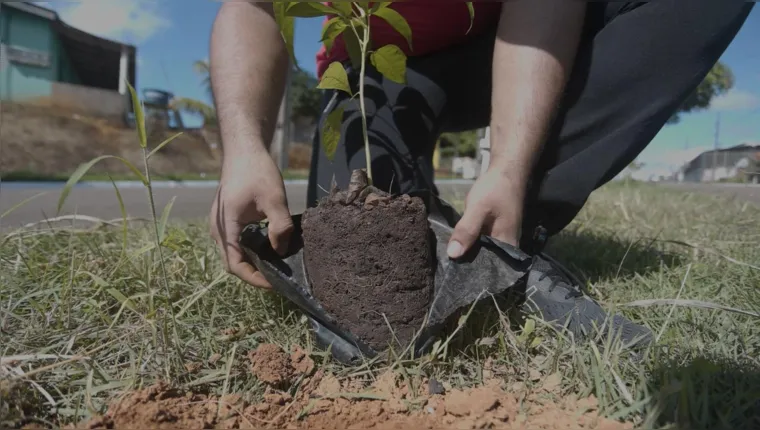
(322, 401)
(272, 365)
(369, 262)
(46, 140)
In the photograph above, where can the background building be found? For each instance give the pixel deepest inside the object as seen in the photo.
(43, 60)
(740, 163)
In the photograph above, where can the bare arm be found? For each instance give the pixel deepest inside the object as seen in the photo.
(534, 51)
(248, 66)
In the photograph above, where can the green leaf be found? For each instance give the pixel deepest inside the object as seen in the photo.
(309, 9)
(335, 78)
(344, 7)
(83, 168)
(332, 30)
(354, 49)
(164, 143)
(471, 9)
(164, 219)
(121, 298)
(537, 341)
(287, 26)
(331, 132)
(139, 117)
(379, 5)
(398, 23)
(530, 327)
(391, 62)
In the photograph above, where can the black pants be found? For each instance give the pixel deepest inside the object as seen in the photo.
(637, 63)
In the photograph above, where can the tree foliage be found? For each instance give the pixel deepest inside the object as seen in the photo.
(461, 144)
(305, 98)
(196, 108)
(718, 81)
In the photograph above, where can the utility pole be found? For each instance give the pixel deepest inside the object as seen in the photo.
(716, 146)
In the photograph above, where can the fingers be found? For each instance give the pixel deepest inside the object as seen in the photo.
(248, 273)
(466, 232)
(280, 225)
(225, 234)
(236, 264)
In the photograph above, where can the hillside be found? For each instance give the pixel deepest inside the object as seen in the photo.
(49, 142)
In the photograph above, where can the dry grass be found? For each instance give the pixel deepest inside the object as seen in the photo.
(83, 317)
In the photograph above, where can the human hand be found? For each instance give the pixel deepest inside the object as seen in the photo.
(250, 190)
(493, 207)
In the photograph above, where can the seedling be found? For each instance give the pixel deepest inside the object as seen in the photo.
(366, 252)
(351, 20)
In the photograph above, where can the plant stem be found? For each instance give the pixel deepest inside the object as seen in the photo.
(364, 47)
(177, 344)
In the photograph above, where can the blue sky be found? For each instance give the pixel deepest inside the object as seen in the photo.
(172, 34)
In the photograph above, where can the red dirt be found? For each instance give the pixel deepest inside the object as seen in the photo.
(272, 365)
(48, 141)
(321, 403)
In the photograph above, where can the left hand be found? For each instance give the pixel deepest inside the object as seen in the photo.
(494, 207)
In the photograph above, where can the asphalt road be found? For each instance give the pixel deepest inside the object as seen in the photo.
(193, 200)
(100, 201)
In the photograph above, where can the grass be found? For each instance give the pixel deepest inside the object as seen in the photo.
(82, 316)
(27, 176)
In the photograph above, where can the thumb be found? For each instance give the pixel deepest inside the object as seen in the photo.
(280, 226)
(466, 233)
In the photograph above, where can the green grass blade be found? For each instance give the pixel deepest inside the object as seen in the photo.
(121, 298)
(689, 304)
(139, 117)
(82, 170)
(471, 10)
(123, 210)
(164, 219)
(164, 143)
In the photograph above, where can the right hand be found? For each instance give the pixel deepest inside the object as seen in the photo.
(251, 189)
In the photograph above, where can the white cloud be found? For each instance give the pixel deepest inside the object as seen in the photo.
(128, 21)
(658, 161)
(735, 100)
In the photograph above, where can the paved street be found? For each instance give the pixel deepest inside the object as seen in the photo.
(192, 202)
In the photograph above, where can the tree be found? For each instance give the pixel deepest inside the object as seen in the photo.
(203, 68)
(197, 107)
(718, 81)
(306, 99)
(462, 144)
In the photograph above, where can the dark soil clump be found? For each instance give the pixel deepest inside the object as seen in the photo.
(368, 258)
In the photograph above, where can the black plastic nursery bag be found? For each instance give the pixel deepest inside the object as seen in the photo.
(490, 268)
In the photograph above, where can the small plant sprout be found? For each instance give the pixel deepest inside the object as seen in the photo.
(159, 226)
(352, 21)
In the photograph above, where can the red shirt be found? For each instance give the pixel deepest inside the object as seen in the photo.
(435, 25)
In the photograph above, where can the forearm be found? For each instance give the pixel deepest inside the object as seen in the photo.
(533, 55)
(249, 62)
